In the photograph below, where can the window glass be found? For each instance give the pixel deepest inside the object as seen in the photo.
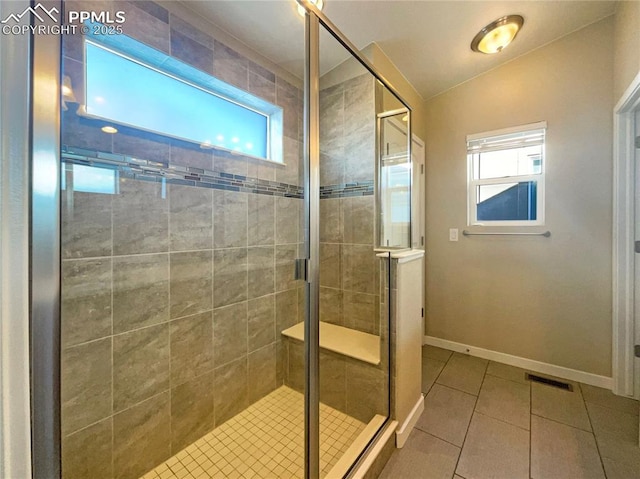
(506, 176)
(507, 202)
(126, 92)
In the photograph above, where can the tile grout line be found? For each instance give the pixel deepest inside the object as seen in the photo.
(484, 375)
(593, 431)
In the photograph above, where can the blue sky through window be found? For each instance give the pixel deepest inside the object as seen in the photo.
(126, 92)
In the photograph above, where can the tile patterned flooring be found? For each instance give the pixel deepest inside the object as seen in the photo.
(266, 440)
(484, 420)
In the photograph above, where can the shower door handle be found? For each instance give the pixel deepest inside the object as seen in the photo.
(301, 269)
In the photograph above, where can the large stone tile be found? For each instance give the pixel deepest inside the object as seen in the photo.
(86, 300)
(189, 30)
(423, 456)
(146, 27)
(190, 283)
(142, 437)
(331, 169)
(191, 52)
(140, 365)
(621, 450)
(358, 218)
(331, 265)
(617, 470)
(286, 310)
(333, 381)
(261, 271)
(140, 218)
(558, 450)
(229, 276)
(190, 154)
(261, 322)
(359, 153)
(295, 364)
(230, 395)
(505, 371)
(604, 397)
(285, 267)
(431, 369)
(331, 306)
(230, 163)
(359, 265)
(229, 333)
(291, 172)
(282, 362)
(85, 384)
(464, 373)
(88, 453)
(86, 225)
(191, 411)
(366, 391)
(84, 133)
(292, 110)
(191, 341)
(559, 405)
(261, 372)
(505, 400)
(331, 122)
(190, 218)
(261, 226)
(287, 213)
(361, 312)
(262, 87)
(494, 449)
(230, 213)
(612, 421)
(229, 66)
(433, 352)
(331, 226)
(140, 291)
(447, 413)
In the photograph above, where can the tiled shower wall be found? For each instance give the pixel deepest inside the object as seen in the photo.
(174, 295)
(349, 270)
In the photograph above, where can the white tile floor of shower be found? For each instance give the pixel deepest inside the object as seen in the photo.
(266, 440)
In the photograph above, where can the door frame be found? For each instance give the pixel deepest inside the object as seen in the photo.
(623, 327)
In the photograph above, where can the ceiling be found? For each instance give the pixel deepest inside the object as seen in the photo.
(427, 40)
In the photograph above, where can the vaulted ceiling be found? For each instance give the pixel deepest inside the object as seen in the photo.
(427, 40)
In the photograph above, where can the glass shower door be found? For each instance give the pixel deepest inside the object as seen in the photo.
(179, 233)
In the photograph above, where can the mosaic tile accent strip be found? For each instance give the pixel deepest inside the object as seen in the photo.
(148, 170)
(266, 440)
(360, 188)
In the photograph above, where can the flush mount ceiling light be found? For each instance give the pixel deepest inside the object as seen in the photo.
(497, 35)
(317, 3)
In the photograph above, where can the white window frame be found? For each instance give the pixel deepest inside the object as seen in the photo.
(473, 184)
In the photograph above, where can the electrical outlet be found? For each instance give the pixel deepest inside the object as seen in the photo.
(453, 234)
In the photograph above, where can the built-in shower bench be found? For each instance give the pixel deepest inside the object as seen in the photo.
(338, 339)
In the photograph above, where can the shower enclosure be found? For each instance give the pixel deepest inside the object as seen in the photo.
(223, 214)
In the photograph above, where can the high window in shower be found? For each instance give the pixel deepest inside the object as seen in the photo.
(183, 345)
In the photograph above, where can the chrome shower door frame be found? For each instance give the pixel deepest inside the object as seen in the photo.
(45, 254)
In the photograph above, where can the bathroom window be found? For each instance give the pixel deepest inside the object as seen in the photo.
(506, 176)
(181, 102)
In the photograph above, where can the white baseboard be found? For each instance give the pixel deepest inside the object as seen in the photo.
(402, 434)
(524, 363)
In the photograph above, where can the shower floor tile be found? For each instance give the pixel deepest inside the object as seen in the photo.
(266, 440)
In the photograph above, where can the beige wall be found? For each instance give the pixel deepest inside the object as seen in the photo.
(626, 46)
(538, 298)
(391, 73)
